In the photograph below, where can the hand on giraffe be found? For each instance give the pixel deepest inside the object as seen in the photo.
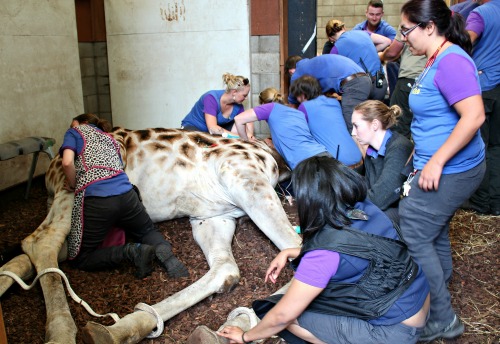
(67, 187)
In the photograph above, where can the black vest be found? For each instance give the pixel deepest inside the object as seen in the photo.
(390, 272)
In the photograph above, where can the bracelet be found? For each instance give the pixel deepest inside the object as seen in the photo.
(243, 339)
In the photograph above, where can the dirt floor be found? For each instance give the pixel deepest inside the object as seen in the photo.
(475, 286)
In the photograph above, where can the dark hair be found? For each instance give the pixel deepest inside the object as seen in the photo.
(90, 118)
(449, 25)
(325, 189)
(291, 62)
(307, 85)
(376, 4)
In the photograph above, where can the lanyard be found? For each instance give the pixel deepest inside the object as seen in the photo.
(428, 65)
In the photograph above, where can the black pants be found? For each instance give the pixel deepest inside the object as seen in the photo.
(103, 213)
(487, 195)
(400, 96)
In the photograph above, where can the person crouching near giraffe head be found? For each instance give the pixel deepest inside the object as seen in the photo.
(326, 122)
(354, 282)
(215, 110)
(105, 200)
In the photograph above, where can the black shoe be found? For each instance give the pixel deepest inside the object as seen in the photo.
(468, 205)
(142, 256)
(495, 211)
(432, 331)
(170, 262)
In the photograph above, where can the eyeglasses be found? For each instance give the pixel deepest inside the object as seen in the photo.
(405, 32)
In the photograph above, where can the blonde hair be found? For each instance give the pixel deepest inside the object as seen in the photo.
(333, 26)
(234, 82)
(375, 109)
(271, 95)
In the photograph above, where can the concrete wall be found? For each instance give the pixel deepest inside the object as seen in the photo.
(95, 78)
(163, 55)
(40, 87)
(265, 57)
(352, 12)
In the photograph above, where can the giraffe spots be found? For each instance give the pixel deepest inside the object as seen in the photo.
(157, 146)
(202, 140)
(119, 132)
(161, 160)
(163, 130)
(143, 135)
(238, 146)
(170, 137)
(187, 150)
(129, 143)
(140, 155)
(183, 163)
(261, 157)
(216, 152)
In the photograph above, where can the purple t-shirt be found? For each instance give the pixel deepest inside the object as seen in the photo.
(475, 23)
(317, 267)
(211, 106)
(264, 111)
(450, 83)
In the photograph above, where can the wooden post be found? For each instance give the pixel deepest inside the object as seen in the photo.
(3, 335)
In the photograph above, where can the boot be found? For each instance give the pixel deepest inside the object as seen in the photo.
(204, 335)
(169, 262)
(142, 256)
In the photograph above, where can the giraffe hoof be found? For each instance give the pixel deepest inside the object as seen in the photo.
(204, 335)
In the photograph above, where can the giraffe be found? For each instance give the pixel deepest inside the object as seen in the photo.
(212, 180)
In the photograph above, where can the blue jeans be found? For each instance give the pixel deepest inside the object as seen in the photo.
(424, 220)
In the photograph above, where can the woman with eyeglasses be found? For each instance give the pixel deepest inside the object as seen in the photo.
(215, 111)
(449, 153)
(289, 130)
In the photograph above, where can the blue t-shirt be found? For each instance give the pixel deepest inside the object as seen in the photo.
(358, 46)
(327, 125)
(451, 78)
(114, 186)
(209, 103)
(383, 29)
(290, 133)
(329, 69)
(484, 21)
(464, 8)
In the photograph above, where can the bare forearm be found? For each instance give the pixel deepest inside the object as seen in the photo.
(393, 51)
(70, 173)
(268, 327)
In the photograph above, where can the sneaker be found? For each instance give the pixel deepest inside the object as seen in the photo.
(431, 332)
(495, 211)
